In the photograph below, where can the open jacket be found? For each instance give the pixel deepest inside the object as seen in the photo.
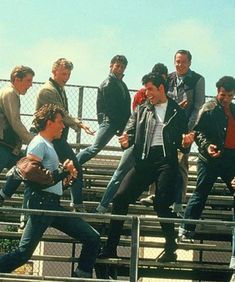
(193, 86)
(12, 131)
(211, 128)
(141, 125)
(113, 100)
(50, 93)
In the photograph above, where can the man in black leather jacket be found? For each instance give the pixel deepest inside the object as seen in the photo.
(215, 137)
(113, 108)
(157, 129)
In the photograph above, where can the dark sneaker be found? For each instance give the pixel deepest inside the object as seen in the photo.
(148, 201)
(166, 257)
(82, 274)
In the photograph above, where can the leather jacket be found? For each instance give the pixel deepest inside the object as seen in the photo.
(141, 125)
(211, 128)
(114, 102)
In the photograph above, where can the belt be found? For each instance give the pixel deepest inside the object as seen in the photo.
(46, 196)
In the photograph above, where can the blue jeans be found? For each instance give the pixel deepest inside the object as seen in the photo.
(232, 261)
(103, 136)
(37, 224)
(126, 163)
(233, 242)
(207, 174)
(182, 179)
(64, 152)
(7, 159)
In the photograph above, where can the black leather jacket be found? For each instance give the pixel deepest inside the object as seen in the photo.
(140, 129)
(211, 128)
(114, 102)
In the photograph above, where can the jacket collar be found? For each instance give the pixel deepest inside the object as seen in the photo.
(170, 110)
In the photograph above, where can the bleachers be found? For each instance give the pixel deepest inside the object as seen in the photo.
(212, 240)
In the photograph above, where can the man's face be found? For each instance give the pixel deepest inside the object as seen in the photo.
(61, 75)
(118, 69)
(56, 127)
(153, 93)
(225, 97)
(182, 64)
(22, 85)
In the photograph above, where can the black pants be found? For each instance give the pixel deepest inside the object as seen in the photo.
(154, 169)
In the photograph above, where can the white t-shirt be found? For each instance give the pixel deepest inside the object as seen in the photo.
(160, 112)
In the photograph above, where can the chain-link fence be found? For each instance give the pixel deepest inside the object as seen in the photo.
(82, 104)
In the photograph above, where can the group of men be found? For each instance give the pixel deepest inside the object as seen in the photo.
(169, 114)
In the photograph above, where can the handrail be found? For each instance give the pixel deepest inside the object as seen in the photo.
(136, 224)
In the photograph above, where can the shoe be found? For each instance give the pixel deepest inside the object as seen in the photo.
(166, 257)
(178, 208)
(101, 271)
(101, 210)
(148, 201)
(185, 238)
(78, 207)
(82, 274)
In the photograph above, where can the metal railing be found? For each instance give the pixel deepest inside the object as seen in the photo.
(136, 222)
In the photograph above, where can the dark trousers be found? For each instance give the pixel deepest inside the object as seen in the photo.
(37, 224)
(207, 174)
(154, 169)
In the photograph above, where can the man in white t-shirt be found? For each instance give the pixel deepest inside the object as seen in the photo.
(49, 123)
(156, 129)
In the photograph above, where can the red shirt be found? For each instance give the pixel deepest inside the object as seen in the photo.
(139, 98)
(230, 134)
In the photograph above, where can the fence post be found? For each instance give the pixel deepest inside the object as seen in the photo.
(135, 234)
(80, 108)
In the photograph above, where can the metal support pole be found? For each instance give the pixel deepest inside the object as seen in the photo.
(134, 249)
(73, 256)
(80, 108)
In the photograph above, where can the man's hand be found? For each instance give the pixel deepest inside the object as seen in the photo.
(69, 166)
(123, 140)
(183, 104)
(87, 129)
(213, 151)
(233, 183)
(187, 139)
